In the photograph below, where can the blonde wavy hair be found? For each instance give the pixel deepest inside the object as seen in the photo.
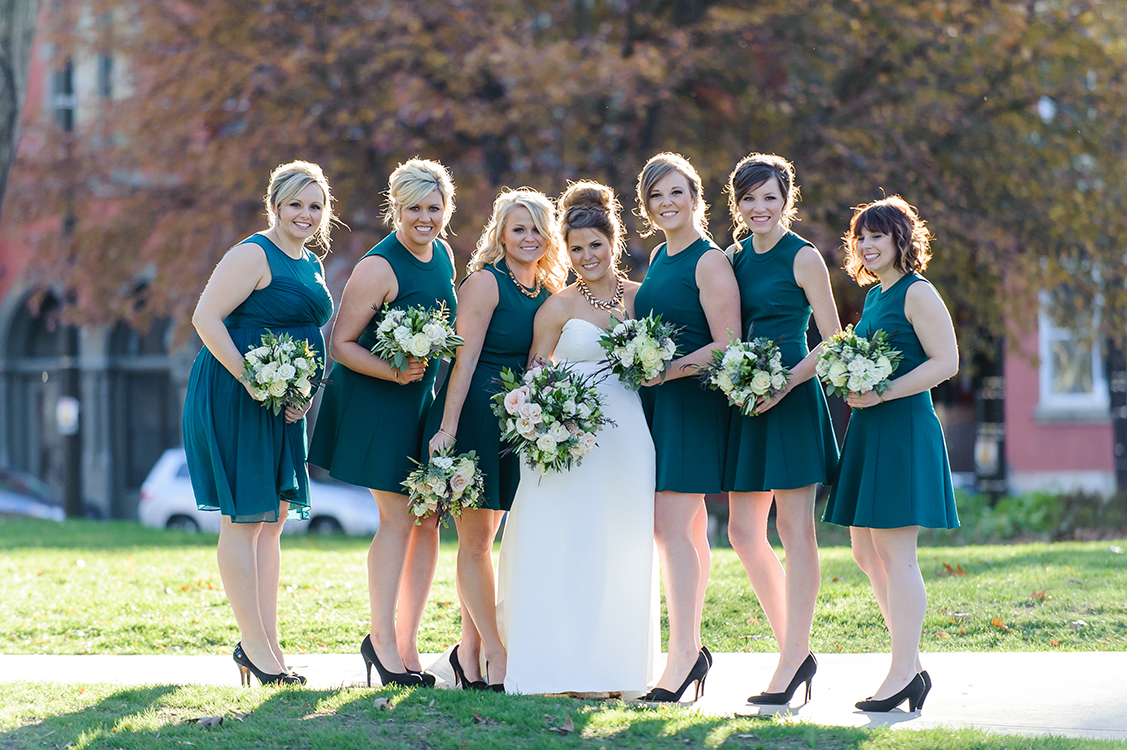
(658, 167)
(286, 181)
(898, 219)
(552, 269)
(414, 180)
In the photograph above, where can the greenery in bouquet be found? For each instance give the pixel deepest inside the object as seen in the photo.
(849, 363)
(445, 485)
(281, 371)
(550, 416)
(415, 332)
(749, 373)
(639, 349)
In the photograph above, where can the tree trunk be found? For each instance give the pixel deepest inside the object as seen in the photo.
(17, 30)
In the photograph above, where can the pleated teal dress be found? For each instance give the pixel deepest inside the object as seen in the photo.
(242, 458)
(894, 470)
(689, 423)
(369, 429)
(507, 343)
(791, 445)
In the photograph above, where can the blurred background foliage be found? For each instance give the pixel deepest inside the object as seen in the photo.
(1004, 122)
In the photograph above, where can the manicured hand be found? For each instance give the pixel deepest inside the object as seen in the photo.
(863, 400)
(440, 441)
(296, 413)
(772, 401)
(415, 371)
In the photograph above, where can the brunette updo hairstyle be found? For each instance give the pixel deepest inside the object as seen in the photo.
(592, 205)
(898, 219)
(658, 167)
(752, 171)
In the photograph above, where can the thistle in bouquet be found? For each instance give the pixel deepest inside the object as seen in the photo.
(281, 371)
(639, 350)
(445, 484)
(550, 415)
(749, 373)
(415, 332)
(849, 363)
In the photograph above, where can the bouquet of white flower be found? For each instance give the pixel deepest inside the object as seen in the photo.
(550, 416)
(849, 363)
(415, 332)
(639, 350)
(749, 373)
(281, 371)
(444, 484)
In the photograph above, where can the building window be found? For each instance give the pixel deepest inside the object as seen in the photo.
(105, 76)
(1073, 379)
(63, 99)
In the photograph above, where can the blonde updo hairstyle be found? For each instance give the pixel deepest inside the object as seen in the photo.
(411, 182)
(286, 181)
(898, 219)
(552, 268)
(658, 167)
(751, 172)
(592, 205)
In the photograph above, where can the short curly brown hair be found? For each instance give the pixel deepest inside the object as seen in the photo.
(898, 219)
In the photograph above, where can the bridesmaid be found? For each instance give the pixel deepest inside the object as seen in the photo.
(894, 475)
(691, 285)
(245, 461)
(519, 262)
(370, 424)
(788, 448)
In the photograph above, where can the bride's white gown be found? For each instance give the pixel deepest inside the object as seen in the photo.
(577, 595)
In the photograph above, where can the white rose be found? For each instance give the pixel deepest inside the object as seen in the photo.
(778, 381)
(619, 330)
(650, 356)
(724, 381)
(670, 348)
(419, 346)
(443, 462)
(286, 372)
(760, 383)
(558, 432)
(260, 394)
(883, 367)
(525, 428)
(731, 359)
(546, 443)
(402, 335)
(434, 332)
(304, 387)
(437, 486)
(532, 412)
(625, 356)
(569, 408)
(277, 389)
(266, 374)
(838, 374)
(583, 411)
(302, 363)
(587, 442)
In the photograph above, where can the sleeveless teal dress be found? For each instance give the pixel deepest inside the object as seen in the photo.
(792, 445)
(507, 343)
(689, 423)
(242, 458)
(369, 429)
(894, 470)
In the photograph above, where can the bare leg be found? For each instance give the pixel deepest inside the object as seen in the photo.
(794, 518)
(704, 556)
(907, 604)
(414, 589)
(674, 513)
(865, 554)
(747, 533)
(476, 530)
(269, 554)
(238, 565)
(385, 568)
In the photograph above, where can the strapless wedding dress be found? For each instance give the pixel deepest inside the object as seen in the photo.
(577, 594)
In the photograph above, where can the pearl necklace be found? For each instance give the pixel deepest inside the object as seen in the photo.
(523, 289)
(614, 303)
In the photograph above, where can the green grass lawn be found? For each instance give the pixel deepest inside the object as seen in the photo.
(116, 587)
(149, 718)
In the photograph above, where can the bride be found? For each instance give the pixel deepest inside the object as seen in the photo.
(577, 601)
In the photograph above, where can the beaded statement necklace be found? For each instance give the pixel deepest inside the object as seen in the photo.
(524, 290)
(614, 303)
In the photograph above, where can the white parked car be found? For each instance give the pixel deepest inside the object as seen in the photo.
(167, 502)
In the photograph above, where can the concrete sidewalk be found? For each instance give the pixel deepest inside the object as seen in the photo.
(1070, 694)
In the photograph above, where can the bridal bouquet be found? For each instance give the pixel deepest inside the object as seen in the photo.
(749, 373)
(849, 363)
(639, 350)
(415, 332)
(281, 371)
(444, 484)
(550, 416)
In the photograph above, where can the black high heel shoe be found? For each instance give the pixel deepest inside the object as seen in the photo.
(804, 673)
(460, 674)
(927, 688)
(697, 674)
(247, 668)
(496, 688)
(707, 655)
(913, 693)
(402, 679)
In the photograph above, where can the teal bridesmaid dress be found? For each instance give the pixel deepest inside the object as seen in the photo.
(791, 445)
(242, 458)
(369, 429)
(894, 470)
(689, 423)
(507, 343)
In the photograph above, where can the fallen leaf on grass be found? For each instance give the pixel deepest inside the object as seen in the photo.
(955, 571)
(566, 728)
(211, 722)
(997, 622)
(479, 719)
(941, 634)
(382, 704)
(1054, 643)
(1043, 595)
(752, 619)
